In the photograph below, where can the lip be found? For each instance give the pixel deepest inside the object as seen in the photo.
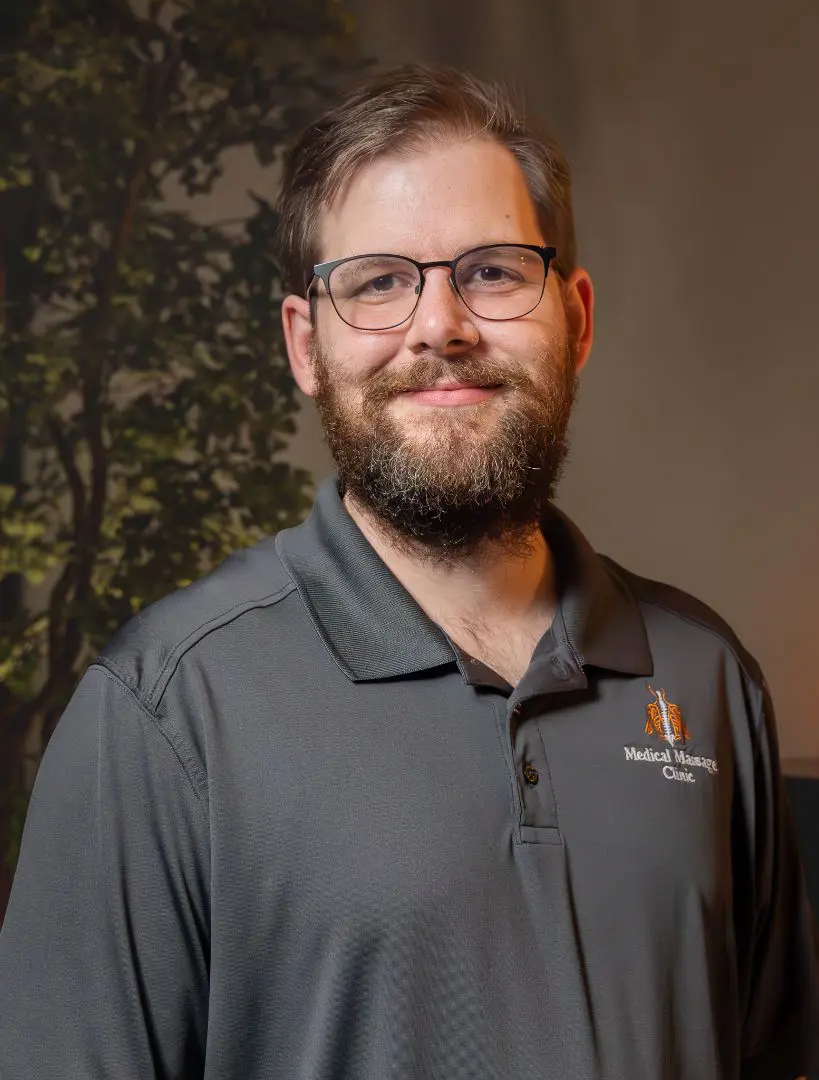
(450, 392)
(453, 384)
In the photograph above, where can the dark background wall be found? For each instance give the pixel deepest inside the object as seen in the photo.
(803, 794)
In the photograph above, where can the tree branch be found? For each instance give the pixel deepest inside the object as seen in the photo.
(65, 454)
(93, 380)
(56, 609)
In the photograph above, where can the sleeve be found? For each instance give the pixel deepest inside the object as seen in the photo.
(781, 1031)
(104, 948)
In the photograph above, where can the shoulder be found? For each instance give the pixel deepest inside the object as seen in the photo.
(145, 652)
(677, 614)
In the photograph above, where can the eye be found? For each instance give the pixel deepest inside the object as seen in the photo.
(382, 284)
(485, 276)
(498, 271)
(373, 279)
(493, 274)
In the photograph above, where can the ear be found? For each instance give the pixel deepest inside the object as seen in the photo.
(298, 334)
(578, 303)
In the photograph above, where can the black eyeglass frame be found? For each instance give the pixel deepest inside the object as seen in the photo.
(322, 272)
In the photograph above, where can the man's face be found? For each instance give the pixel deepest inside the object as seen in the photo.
(449, 428)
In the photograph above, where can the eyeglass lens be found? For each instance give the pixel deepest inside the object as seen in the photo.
(376, 292)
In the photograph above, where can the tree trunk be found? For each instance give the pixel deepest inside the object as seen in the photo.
(12, 733)
(13, 794)
(12, 442)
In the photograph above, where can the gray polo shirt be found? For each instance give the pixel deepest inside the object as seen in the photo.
(286, 831)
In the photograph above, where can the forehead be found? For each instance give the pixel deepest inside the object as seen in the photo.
(432, 203)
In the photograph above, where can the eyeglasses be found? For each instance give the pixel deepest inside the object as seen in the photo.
(378, 292)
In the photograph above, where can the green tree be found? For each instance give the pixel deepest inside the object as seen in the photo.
(144, 396)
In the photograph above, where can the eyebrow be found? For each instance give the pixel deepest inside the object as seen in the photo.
(492, 242)
(485, 242)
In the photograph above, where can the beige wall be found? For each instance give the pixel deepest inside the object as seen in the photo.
(693, 132)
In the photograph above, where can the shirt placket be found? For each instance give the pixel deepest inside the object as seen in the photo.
(534, 782)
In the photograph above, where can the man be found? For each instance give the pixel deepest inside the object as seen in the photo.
(423, 788)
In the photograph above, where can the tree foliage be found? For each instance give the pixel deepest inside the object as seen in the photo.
(144, 397)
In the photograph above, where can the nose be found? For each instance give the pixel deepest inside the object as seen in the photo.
(442, 323)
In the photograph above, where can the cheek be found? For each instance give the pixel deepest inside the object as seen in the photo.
(521, 344)
(357, 356)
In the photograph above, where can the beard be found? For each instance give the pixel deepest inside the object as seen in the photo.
(451, 481)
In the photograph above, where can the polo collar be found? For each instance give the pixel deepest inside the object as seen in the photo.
(375, 630)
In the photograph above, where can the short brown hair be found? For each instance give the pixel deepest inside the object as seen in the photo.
(404, 109)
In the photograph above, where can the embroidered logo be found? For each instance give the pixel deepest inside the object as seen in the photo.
(665, 719)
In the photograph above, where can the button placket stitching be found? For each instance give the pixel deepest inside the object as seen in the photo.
(538, 724)
(501, 711)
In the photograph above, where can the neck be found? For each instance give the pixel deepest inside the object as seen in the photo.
(503, 585)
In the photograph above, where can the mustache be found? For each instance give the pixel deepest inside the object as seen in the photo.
(426, 370)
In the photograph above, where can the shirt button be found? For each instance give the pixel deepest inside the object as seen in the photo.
(530, 773)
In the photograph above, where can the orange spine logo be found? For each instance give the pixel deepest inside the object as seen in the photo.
(665, 719)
